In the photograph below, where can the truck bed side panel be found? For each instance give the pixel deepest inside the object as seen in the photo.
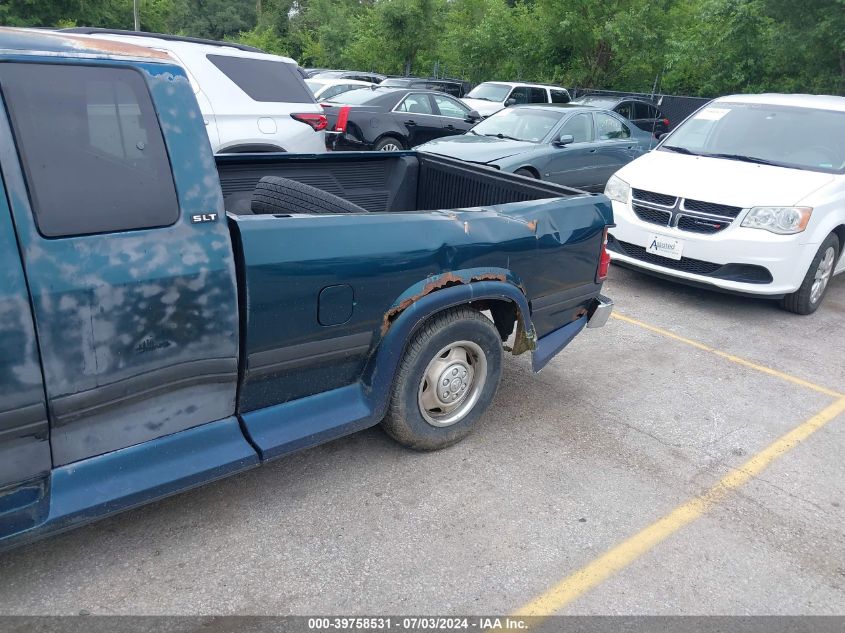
(289, 263)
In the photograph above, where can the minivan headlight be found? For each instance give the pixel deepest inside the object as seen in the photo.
(617, 189)
(781, 220)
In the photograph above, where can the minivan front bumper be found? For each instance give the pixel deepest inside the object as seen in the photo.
(744, 260)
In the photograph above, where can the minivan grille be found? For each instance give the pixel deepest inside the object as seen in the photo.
(712, 208)
(647, 214)
(695, 216)
(655, 198)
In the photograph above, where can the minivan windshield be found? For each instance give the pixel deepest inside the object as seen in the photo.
(785, 136)
(490, 92)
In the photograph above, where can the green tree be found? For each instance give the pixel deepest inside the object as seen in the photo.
(720, 47)
(214, 19)
(395, 35)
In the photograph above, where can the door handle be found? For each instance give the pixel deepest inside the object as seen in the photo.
(450, 127)
(411, 122)
(593, 151)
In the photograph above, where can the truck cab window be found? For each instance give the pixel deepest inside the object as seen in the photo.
(91, 148)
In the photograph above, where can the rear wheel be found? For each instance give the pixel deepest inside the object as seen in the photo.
(527, 173)
(809, 296)
(389, 144)
(446, 380)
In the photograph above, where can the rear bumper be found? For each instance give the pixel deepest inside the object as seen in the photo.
(341, 142)
(601, 313)
(551, 344)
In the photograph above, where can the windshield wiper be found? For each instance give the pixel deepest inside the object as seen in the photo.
(474, 132)
(680, 150)
(500, 135)
(744, 159)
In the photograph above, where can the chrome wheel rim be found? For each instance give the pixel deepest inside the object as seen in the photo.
(452, 383)
(390, 147)
(822, 276)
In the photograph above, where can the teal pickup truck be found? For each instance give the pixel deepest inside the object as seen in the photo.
(168, 317)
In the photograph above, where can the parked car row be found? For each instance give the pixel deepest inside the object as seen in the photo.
(744, 196)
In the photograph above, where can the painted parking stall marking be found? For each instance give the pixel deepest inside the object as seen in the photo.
(631, 549)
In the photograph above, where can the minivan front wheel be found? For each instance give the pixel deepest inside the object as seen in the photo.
(809, 296)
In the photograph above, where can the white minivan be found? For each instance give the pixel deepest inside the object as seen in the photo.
(747, 195)
(250, 101)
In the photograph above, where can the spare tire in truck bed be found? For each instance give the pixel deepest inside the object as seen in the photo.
(274, 194)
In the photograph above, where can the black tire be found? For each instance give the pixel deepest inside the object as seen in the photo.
(527, 173)
(802, 301)
(273, 194)
(455, 328)
(388, 140)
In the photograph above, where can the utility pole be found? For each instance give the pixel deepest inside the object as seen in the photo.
(135, 14)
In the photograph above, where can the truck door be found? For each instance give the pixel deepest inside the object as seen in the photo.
(24, 446)
(129, 265)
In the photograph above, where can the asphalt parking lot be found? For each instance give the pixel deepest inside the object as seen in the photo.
(581, 492)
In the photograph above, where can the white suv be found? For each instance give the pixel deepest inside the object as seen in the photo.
(491, 96)
(250, 101)
(747, 195)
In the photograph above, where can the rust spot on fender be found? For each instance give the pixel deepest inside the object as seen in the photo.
(443, 281)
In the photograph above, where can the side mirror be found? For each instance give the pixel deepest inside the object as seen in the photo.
(473, 116)
(564, 140)
(510, 102)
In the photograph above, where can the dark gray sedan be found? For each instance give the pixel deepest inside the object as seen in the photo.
(577, 146)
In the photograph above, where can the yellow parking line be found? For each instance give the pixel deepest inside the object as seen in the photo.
(734, 359)
(622, 555)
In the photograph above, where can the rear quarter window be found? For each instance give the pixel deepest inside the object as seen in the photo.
(264, 79)
(91, 148)
(559, 96)
(644, 110)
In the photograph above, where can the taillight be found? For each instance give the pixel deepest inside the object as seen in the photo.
(604, 260)
(317, 121)
(666, 122)
(342, 118)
